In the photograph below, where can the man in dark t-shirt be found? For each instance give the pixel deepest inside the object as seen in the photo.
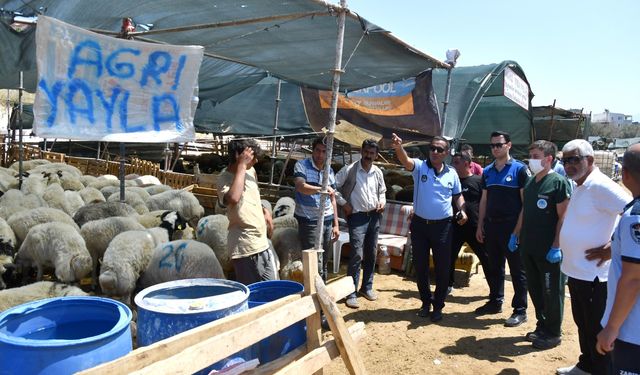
(471, 191)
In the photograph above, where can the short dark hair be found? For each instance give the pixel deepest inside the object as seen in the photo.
(370, 143)
(631, 163)
(236, 146)
(317, 141)
(466, 147)
(463, 156)
(547, 148)
(440, 138)
(497, 133)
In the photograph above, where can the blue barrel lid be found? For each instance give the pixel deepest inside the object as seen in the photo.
(192, 296)
(74, 303)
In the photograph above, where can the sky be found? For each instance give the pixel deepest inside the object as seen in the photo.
(584, 54)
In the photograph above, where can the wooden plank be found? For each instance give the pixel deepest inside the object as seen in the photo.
(314, 322)
(346, 346)
(308, 364)
(174, 349)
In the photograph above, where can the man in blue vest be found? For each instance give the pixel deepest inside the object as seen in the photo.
(436, 188)
(361, 193)
(498, 222)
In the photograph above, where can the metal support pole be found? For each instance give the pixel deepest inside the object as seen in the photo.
(20, 145)
(331, 126)
(275, 132)
(446, 99)
(122, 167)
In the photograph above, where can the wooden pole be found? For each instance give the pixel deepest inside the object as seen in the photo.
(314, 328)
(553, 108)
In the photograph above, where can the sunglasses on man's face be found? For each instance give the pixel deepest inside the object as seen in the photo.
(497, 145)
(572, 159)
(436, 149)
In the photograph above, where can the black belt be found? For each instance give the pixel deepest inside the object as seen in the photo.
(429, 221)
(497, 220)
(367, 213)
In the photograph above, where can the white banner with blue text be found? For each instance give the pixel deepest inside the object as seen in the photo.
(100, 88)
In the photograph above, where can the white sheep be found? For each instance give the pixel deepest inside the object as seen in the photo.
(182, 259)
(146, 180)
(287, 245)
(132, 199)
(68, 201)
(59, 245)
(36, 291)
(126, 257)
(172, 221)
(98, 234)
(284, 206)
(8, 182)
(35, 184)
(29, 164)
(14, 201)
(101, 210)
(87, 179)
(5, 262)
(181, 201)
(22, 222)
(59, 168)
(212, 230)
(157, 189)
(286, 221)
(7, 249)
(91, 195)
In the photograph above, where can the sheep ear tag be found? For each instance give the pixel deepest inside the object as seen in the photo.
(180, 227)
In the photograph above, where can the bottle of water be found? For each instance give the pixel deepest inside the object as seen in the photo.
(384, 261)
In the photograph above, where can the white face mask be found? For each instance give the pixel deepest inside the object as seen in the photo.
(535, 165)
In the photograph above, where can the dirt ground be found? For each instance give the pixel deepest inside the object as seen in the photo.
(397, 341)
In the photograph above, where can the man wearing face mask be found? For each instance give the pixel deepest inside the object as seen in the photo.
(545, 200)
(361, 193)
(436, 188)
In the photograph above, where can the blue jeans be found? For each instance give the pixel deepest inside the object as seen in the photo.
(363, 238)
(307, 235)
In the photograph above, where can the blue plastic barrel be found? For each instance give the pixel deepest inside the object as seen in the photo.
(281, 343)
(166, 309)
(63, 335)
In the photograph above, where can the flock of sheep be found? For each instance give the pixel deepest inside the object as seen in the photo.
(75, 226)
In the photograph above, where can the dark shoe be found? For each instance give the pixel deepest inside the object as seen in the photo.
(489, 308)
(515, 320)
(352, 302)
(436, 315)
(571, 370)
(546, 342)
(369, 294)
(424, 311)
(532, 336)
(324, 323)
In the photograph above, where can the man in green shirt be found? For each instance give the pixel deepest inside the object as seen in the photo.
(545, 200)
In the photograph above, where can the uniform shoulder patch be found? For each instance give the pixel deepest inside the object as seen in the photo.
(635, 232)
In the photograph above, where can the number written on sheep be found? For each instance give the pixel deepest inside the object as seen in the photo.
(173, 256)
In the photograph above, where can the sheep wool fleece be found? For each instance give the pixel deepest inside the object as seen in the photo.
(247, 227)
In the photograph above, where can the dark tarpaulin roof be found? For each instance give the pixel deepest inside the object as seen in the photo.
(299, 50)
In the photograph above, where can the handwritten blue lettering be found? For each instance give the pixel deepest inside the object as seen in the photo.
(178, 257)
(176, 80)
(52, 95)
(121, 69)
(159, 117)
(153, 69)
(109, 105)
(75, 86)
(77, 59)
(124, 116)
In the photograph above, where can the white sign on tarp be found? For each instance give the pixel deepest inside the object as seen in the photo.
(99, 88)
(516, 89)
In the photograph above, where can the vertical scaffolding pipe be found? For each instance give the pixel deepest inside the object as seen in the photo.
(331, 126)
(553, 110)
(275, 132)
(446, 99)
(20, 146)
(122, 166)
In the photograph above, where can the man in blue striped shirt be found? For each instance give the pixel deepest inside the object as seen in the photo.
(307, 175)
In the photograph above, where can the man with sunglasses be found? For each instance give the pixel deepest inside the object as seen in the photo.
(436, 187)
(500, 209)
(593, 212)
(361, 193)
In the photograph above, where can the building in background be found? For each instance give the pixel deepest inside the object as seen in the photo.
(617, 119)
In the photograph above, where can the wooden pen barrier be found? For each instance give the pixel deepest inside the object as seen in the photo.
(202, 346)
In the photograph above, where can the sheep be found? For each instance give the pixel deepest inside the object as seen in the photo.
(141, 192)
(101, 210)
(126, 257)
(91, 195)
(287, 245)
(8, 182)
(14, 201)
(146, 180)
(284, 206)
(133, 200)
(213, 230)
(172, 221)
(22, 222)
(29, 164)
(157, 189)
(108, 191)
(34, 184)
(103, 181)
(98, 234)
(182, 259)
(59, 168)
(178, 200)
(36, 291)
(60, 245)
(267, 205)
(68, 201)
(87, 179)
(7, 239)
(70, 181)
(286, 221)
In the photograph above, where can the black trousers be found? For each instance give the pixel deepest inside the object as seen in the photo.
(624, 358)
(588, 302)
(437, 238)
(467, 233)
(496, 239)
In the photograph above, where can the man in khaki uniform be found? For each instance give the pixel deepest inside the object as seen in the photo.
(247, 238)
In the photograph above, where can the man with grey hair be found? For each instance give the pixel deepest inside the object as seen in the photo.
(591, 216)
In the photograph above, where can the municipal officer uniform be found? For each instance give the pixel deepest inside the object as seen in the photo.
(625, 247)
(501, 215)
(540, 219)
(431, 227)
